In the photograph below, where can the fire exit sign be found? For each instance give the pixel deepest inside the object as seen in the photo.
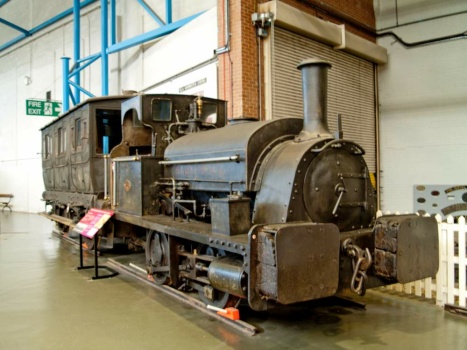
(43, 108)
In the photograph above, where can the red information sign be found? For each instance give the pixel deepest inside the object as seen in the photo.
(93, 222)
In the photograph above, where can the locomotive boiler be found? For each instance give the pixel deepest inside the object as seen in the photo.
(276, 211)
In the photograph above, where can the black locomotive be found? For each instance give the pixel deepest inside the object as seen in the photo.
(268, 211)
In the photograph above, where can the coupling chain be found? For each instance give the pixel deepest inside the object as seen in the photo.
(361, 261)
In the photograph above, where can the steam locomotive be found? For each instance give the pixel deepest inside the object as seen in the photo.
(275, 211)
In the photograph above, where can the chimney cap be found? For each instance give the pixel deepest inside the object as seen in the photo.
(313, 61)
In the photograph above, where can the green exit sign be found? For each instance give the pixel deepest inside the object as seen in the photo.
(43, 108)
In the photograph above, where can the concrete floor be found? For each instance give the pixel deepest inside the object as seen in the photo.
(45, 303)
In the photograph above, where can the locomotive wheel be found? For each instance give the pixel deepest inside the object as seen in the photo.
(220, 299)
(158, 256)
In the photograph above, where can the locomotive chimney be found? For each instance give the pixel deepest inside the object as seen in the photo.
(315, 88)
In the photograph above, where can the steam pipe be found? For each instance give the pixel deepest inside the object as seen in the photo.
(314, 87)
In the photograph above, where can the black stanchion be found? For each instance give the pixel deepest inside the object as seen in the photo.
(96, 263)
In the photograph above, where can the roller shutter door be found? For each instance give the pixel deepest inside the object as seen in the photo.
(351, 90)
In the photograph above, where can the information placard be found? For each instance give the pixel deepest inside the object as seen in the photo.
(92, 222)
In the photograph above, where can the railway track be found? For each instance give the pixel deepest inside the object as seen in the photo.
(140, 274)
(131, 268)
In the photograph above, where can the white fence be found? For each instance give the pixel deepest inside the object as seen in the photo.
(449, 285)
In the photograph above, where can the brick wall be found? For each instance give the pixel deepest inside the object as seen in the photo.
(357, 15)
(238, 68)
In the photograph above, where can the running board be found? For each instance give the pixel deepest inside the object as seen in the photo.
(59, 219)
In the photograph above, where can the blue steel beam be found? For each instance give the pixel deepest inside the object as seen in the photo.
(81, 89)
(92, 57)
(73, 101)
(89, 60)
(44, 25)
(14, 26)
(3, 2)
(106, 49)
(151, 12)
(151, 35)
(59, 17)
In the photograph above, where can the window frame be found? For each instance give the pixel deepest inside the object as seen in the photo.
(158, 100)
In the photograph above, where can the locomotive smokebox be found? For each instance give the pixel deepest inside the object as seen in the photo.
(315, 91)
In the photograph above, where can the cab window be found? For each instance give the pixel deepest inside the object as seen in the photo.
(161, 110)
(209, 113)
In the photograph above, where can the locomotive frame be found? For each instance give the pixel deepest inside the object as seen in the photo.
(267, 211)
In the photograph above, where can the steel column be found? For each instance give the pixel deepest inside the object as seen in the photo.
(113, 22)
(104, 45)
(76, 45)
(168, 11)
(65, 87)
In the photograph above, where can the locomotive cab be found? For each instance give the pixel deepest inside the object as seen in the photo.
(150, 123)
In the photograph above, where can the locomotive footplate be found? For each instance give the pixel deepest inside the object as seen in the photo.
(293, 262)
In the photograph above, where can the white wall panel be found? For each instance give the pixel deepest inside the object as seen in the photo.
(391, 13)
(20, 141)
(423, 99)
(202, 82)
(187, 47)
